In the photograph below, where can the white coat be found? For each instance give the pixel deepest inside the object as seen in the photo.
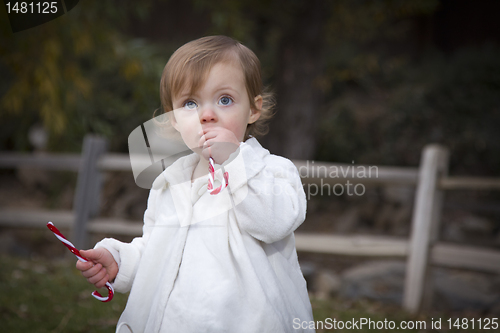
(217, 263)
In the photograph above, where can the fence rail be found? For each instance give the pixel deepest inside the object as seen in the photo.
(70, 162)
(421, 249)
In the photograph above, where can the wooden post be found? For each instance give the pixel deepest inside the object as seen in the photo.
(87, 195)
(425, 224)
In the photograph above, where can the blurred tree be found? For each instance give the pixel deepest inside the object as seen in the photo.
(78, 74)
(457, 104)
(86, 76)
(300, 64)
(351, 78)
(453, 100)
(310, 50)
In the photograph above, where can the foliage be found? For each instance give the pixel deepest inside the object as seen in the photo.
(363, 35)
(383, 99)
(384, 102)
(78, 74)
(38, 295)
(445, 99)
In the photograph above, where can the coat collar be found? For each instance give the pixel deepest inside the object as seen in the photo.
(178, 177)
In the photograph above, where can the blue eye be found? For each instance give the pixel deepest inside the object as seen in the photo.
(190, 105)
(225, 100)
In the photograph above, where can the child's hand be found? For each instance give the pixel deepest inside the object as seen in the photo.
(101, 268)
(218, 143)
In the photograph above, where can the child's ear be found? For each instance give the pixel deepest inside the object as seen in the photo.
(255, 113)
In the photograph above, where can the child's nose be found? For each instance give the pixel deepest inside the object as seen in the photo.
(207, 115)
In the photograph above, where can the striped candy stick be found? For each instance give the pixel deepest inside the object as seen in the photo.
(75, 251)
(211, 175)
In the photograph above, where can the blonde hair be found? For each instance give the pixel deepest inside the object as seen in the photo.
(192, 62)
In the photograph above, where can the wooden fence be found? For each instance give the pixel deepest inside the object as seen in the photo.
(421, 250)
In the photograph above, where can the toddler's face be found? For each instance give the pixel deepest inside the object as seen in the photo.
(221, 105)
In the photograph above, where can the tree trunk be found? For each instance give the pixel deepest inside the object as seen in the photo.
(300, 63)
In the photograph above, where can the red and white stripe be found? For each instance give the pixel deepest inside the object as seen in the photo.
(211, 175)
(75, 251)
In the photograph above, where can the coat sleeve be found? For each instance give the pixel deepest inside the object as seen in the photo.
(267, 192)
(128, 255)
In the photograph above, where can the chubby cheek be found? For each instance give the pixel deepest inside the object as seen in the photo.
(189, 127)
(238, 127)
(239, 133)
(189, 139)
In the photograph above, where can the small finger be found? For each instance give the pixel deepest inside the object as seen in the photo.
(83, 266)
(201, 142)
(97, 277)
(210, 134)
(208, 143)
(102, 282)
(205, 153)
(92, 271)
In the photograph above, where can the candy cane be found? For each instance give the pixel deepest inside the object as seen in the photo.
(211, 175)
(75, 251)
